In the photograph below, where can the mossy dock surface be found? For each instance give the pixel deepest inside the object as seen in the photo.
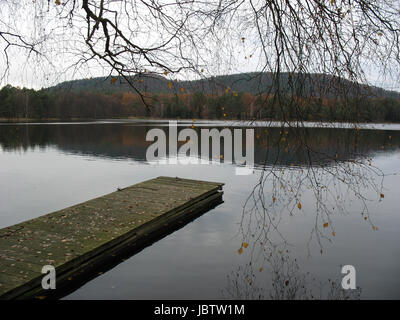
(86, 234)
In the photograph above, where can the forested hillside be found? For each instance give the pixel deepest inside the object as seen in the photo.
(230, 97)
(318, 85)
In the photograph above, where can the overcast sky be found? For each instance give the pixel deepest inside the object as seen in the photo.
(61, 47)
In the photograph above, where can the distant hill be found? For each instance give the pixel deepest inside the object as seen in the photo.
(318, 85)
(225, 97)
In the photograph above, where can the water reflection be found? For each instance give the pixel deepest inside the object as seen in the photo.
(316, 197)
(282, 146)
(279, 277)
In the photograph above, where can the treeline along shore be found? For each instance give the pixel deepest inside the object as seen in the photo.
(185, 102)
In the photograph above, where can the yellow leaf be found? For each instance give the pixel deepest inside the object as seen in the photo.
(333, 234)
(58, 2)
(165, 72)
(240, 251)
(299, 205)
(113, 80)
(182, 89)
(170, 85)
(245, 244)
(273, 199)
(326, 225)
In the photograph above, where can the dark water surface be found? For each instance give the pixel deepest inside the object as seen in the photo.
(288, 252)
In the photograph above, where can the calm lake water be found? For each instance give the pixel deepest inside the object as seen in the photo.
(322, 204)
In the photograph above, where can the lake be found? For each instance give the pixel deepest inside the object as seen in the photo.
(318, 198)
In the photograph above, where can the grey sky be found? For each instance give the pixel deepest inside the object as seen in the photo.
(61, 45)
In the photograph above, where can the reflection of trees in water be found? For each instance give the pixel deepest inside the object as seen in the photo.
(279, 278)
(319, 146)
(100, 140)
(128, 140)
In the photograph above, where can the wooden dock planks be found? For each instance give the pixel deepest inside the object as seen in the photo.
(86, 234)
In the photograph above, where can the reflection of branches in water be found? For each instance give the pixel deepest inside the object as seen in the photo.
(333, 183)
(241, 287)
(286, 282)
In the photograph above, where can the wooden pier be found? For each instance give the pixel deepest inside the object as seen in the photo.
(78, 239)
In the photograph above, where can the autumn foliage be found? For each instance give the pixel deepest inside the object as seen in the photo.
(17, 103)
